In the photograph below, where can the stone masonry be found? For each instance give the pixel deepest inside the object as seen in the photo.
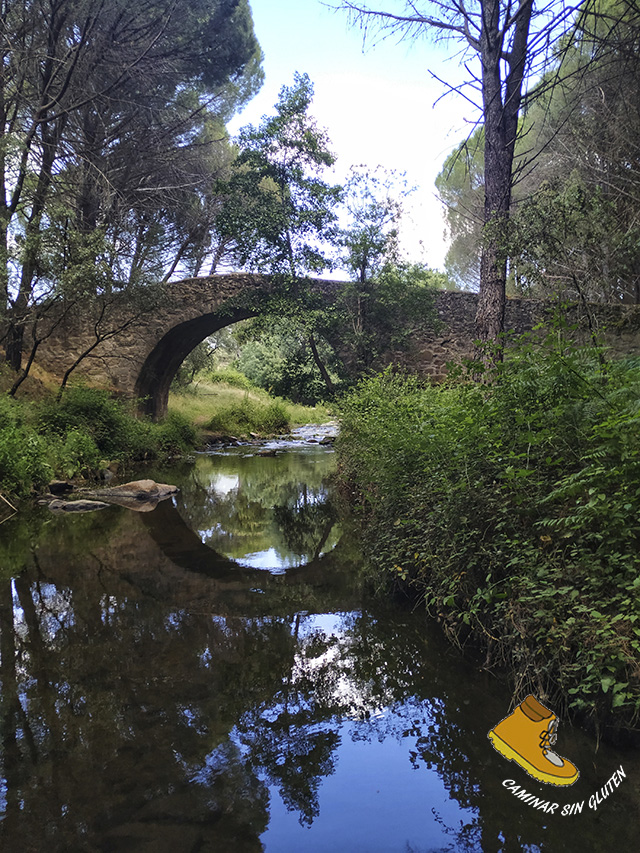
(137, 353)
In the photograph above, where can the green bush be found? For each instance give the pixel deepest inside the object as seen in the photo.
(230, 376)
(176, 433)
(248, 416)
(513, 509)
(23, 458)
(73, 437)
(78, 454)
(96, 412)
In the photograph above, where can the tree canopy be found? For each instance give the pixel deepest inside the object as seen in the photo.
(112, 121)
(574, 206)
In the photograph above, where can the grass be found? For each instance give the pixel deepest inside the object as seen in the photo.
(41, 438)
(225, 409)
(77, 436)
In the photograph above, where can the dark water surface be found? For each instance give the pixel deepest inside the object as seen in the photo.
(213, 676)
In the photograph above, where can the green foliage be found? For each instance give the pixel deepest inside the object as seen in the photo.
(159, 125)
(277, 209)
(247, 416)
(100, 416)
(230, 376)
(570, 239)
(76, 436)
(213, 395)
(176, 433)
(381, 314)
(513, 509)
(280, 361)
(23, 457)
(373, 202)
(460, 185)
(199, 359)
(78, 454)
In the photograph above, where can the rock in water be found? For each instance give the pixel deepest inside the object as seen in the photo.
(138, 489)
(60, 487)
(76, 506)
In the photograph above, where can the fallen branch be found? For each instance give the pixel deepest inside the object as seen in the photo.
(8, 502)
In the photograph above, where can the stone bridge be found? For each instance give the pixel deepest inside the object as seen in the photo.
(136, 352)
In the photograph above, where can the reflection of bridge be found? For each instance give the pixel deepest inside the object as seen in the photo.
(156, 554)
(242, 589)
(138, 356)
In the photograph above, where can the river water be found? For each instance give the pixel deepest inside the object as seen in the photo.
(218, 674)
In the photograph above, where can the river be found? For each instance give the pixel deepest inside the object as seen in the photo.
(218, 674)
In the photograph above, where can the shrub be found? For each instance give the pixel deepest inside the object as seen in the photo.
(96, 412)
(73, 437)
(23, 460)
(78, 454)
(513, 510)
(230, 376)
(248, 416)
(176, 433)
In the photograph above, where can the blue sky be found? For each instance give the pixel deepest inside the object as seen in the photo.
(378, 102)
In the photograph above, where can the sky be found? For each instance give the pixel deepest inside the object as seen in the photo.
(378, 102)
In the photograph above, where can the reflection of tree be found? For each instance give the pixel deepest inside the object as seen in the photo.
(292, 739)
(97, 739)
(294, 755)
(278, 503)
(306, 521)
(136, 713)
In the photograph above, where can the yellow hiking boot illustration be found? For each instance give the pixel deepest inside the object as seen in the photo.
(526, 737)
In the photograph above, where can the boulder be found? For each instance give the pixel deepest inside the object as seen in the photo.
(60, 487)
(142, 490)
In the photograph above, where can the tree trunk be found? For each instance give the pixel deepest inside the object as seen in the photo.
(318, 362)
(501, 104)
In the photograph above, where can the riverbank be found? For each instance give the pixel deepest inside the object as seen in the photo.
(233, 406)
(89, 435)
(512, 510)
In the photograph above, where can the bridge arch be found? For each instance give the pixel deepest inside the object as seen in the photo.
(161, 364)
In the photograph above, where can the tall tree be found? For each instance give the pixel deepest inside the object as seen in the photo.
(508, 39)
(577, 231)
(280, 212)
(460, 185)
(279, 209)
(574, 230)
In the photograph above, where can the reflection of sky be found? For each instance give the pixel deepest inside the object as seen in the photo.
(375, 801)
(210, 532)
(53, 607)
(379, 798)
(263, 513)
(269, 559)
(222, 484)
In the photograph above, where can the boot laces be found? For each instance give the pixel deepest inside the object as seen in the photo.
(548, 738)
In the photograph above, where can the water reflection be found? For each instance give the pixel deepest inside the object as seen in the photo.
(263, 512)
(157, 697)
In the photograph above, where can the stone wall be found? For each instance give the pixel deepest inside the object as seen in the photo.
(452, 338)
